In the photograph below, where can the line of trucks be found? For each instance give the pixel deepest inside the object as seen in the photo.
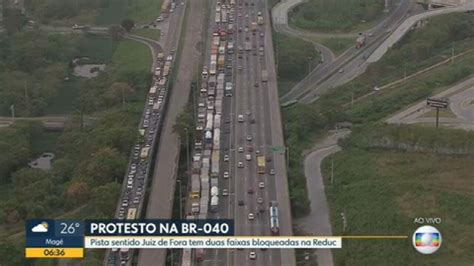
(205, 193)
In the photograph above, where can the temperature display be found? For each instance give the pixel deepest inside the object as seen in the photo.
(54, 238)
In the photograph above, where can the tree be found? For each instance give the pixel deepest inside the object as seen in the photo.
(104, 166)
(78, 192)
(118, 92)
(184, 123)
(116, 32)
(14, 20)
(128, 24)
(104, 200)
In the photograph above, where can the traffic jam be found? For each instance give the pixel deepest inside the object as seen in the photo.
(139, 167)
(209, 150)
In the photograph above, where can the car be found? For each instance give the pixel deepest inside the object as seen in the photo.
(136, 200)
(240, 14)
(252, 255)
(250, 190)
(227, 120)
(246, 15)
(272, 171)
(269, 159)
(241, 149)
(240, 68)
(240, 118)
(256, 83)
(240, 29)
(262, 34)
(125, 203)
(133, 166)
(246, 29)
(341, 70)
(248, 112)
(248, 157)
(226, 158)
(261, 185)
(241, 203)
(240, 165)
(252, 120)
(226, 174)
(251, 216)
(249, 137)
(260, 200)
(225, 192)
(250, 148)
(257, 152)
(370, 34)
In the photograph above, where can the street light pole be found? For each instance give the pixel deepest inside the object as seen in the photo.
(180, 203)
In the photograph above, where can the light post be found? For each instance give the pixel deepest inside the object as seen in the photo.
(178, 182)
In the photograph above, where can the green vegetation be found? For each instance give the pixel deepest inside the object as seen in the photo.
(153, 34)
(336, 15)
(337, 45)
(98, 49)
(294, 57)
(32, 68)
(334, 106)
(396, 187)
(302, 124)
(141, 11)
(101, 12)
(132, 56)
(91, 152)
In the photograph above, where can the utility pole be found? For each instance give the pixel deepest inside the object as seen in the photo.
(179, 197)
(352, 95)
(187, 148)
(332, 169)
(12, 108)
(452, 52)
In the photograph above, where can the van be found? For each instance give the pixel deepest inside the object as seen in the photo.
(248, 157)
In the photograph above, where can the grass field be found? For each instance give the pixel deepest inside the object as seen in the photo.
(141, 11)
(97, 48)
(153, 34)
(294, 58)
(132, 56)
(336, 15)
(381, 192)
(337, 45)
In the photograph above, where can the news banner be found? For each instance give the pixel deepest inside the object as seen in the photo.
(68, 238)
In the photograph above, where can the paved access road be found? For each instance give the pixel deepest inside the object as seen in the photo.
(460, 98)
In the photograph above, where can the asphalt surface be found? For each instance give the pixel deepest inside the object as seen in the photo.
(317, 222)
(350, 61)
(160, 201)
(460, 98)
(266, 132)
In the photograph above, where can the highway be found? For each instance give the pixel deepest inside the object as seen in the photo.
(320, 78)
(252, 98)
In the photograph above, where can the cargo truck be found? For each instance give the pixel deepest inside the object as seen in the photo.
(264, 75)
(360, 41)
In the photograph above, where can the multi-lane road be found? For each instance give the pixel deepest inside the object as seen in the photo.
(349, 63)
(252, 98)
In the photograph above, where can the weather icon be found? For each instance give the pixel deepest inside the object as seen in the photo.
(40, 228)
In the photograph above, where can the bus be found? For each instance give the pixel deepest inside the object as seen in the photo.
(261, 164)
(132, 213)
(274, 223)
